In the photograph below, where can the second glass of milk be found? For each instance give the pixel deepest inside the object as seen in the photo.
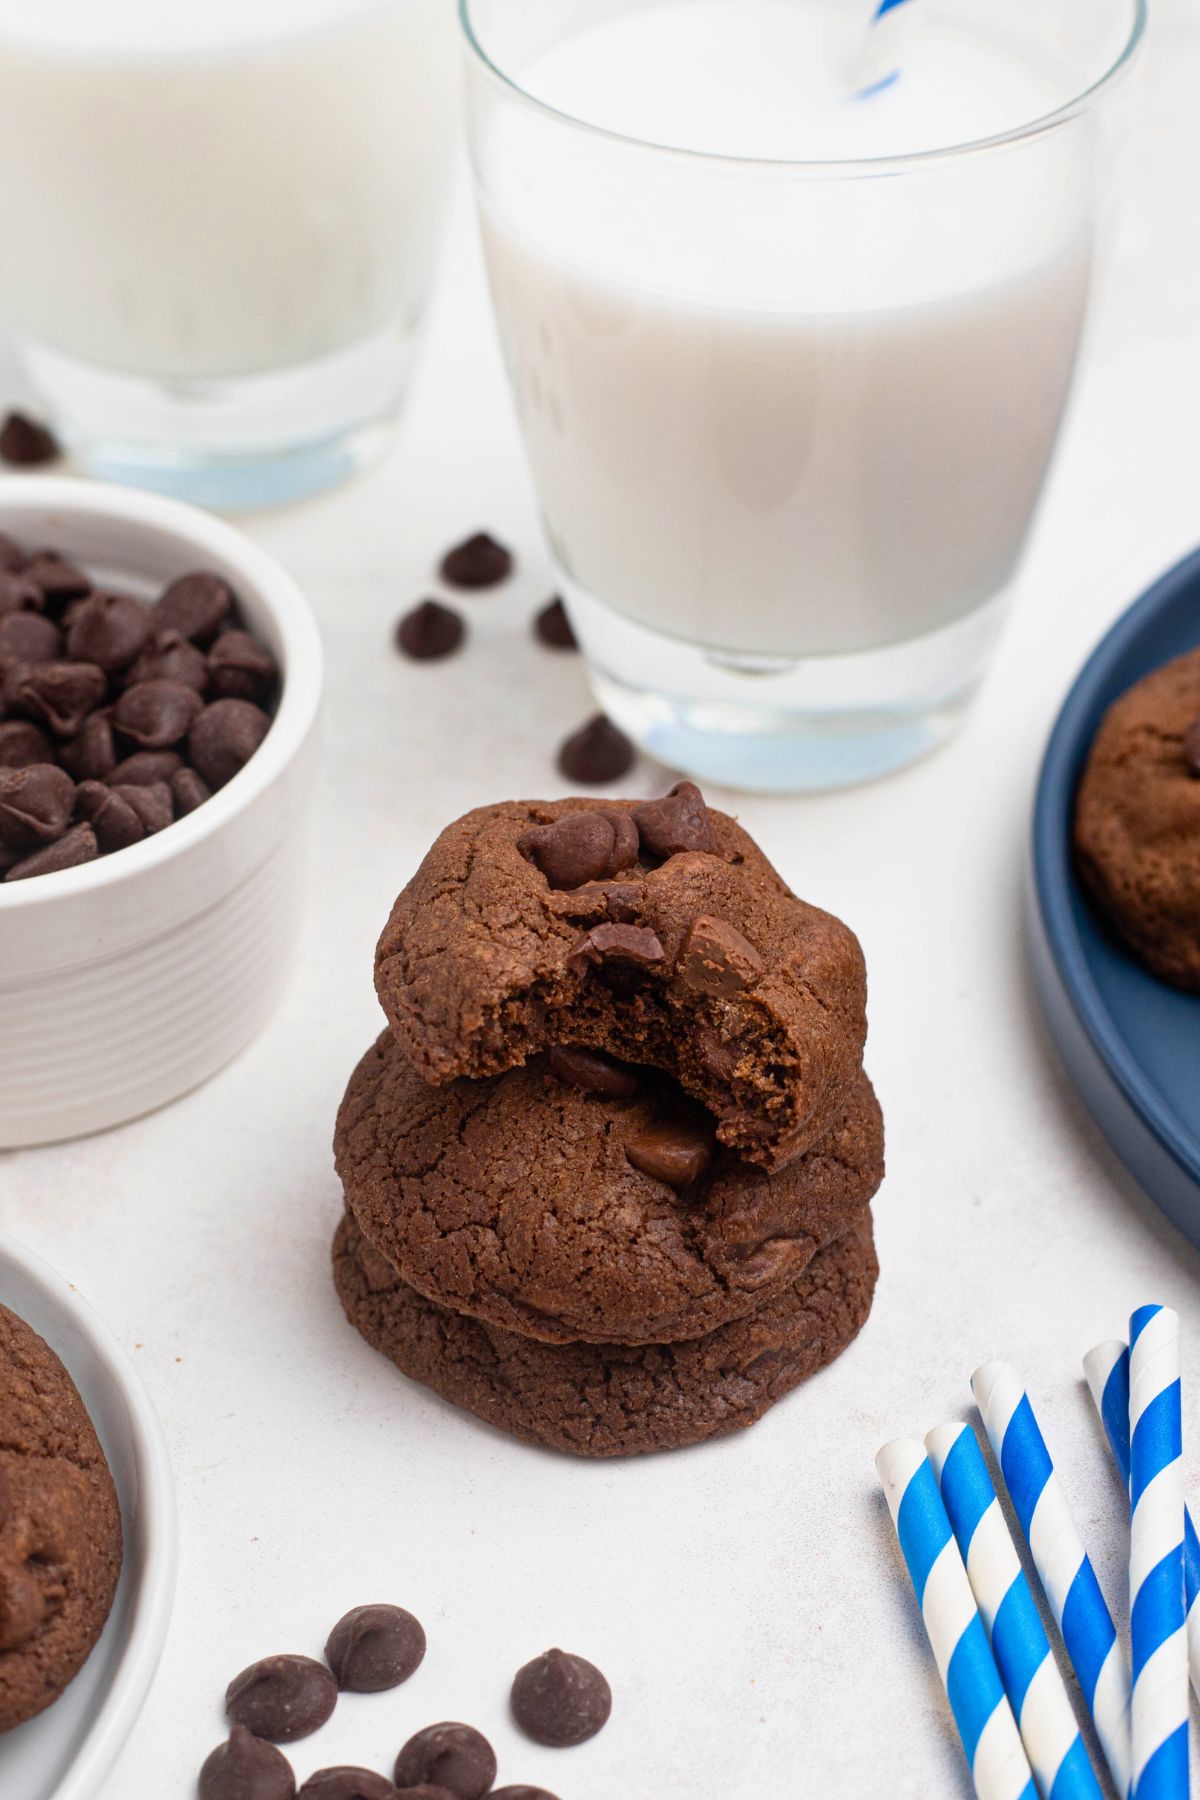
(790, 357)
(218, 221)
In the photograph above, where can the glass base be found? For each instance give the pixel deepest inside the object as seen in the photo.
(781, 724)
(254, 441)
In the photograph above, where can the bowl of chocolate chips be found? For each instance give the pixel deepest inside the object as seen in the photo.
(160, 681)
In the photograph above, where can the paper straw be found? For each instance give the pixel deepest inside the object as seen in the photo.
(1156, 1608)
(1107, 1371)
(879, 61)
(1019, 1643)
(999, 1766)
(1067, 1576)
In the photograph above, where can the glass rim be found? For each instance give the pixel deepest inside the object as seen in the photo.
(1029, 129)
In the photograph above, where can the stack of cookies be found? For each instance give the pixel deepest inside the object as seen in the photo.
(607, 1173)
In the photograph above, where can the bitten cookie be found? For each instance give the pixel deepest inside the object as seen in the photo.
(658, 932)
(587, 1203)
(1137, 820)
(60, 1526)
(611, 1400)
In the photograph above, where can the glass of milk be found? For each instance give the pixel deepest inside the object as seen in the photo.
(790, 357)
(218, 221)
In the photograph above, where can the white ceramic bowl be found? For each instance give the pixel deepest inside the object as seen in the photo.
(67, 1750)
(132, 979)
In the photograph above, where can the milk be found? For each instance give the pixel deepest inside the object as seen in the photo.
(198, 189)
(780, 412)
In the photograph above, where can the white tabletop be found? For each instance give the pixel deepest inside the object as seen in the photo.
(745, 1598)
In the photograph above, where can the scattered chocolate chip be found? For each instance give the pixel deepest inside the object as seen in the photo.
(375, 1647)
(553, 627)
(451, 1756)
(1191, 747)
(18, 593)
(344, 1783)
(616, 943)
(244, 1768)
(592, 1072)
(156, 714)
(30, 637)
(596, 753)
(36, 803)
(77, 846)
(145, 767)
(23, 743)
(108, 629)
(240, 668)
(188, 792)
(676, 823)
(717, 959)
(560, 1700)
(572, 850)
(478, 562)
(92, 753)
(24, 444)
(521, 1793)
(11, 554)
(115, 822)
(151, 801)
(58, 579)
(282, 1697)
(677, 1151)
(429, 631)
(62, 694)
(168, 656)
(225, 737)
(197, 606)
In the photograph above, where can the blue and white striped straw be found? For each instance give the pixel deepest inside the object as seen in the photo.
(880, 62)
(1107, 1371)
(1156, 1608)
(1019, 1643)
(1078, 1606)
(999, 1766)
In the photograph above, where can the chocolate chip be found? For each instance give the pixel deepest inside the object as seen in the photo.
(676, 1151)
(244, 1768)
(521, 1793)
(11, 554)
(718, 1057)
(676, 823)
(592, 1072)
(115, 822)
(572, 850)
(240, 668)
(147, 766)
(596, 753)
(597, 901)
(553, 627)
(157, 714)
(616, 943)
(108, 629)
(22, 743)
(36, 803)
(62, 694)
(196, 606)
(151, 801)
(282, 1697)
(429, 631)
(168, 656)
(375, 1647)
(345, 1783)
(425, 1792)
(1191, 747)
(24, 444)
(451, 1756)
(225, 737)
(30, 637)
(560, 1700)
(77, 846)
(188, 792)
(478, 562)
(92, 753)
(18, 593)
(716, 958)
(58, 579)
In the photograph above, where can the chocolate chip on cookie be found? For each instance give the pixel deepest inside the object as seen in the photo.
(581, 847)
(635, 944)
(592, 1072)
(560, 1700)
(717, 959)
(675, 824)
(675, 1151)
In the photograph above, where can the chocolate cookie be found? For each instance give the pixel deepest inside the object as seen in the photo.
(551, 1209)
(1137, 821)
(613, 1400)
(60, 1526)
(658, 932)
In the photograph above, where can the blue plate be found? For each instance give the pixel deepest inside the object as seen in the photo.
(1130, 1043)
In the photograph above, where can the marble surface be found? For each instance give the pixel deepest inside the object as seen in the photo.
(744, 1598)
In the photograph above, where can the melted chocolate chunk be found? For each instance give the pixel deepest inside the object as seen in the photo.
(592, 1072)
(635, 944)
(677, 1152)
(717, 959)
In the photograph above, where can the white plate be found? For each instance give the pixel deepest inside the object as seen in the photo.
(66, 1751)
